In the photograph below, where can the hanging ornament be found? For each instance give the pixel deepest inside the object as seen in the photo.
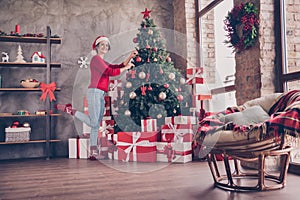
(148, 60)
(154, 49)
(166, 85)
(132, 95)
(162, 96)
(160, 70)
(150, 88)
(171, 76)
(143, 89)
(138, 59)
(132, 72)
(121, 102)
(159, 116)
(148, 46)
(174, 111)
(154, 59)
(142, 75)
(147, 76)
(128, 85)
(168, 59)
(182, 81)
(135, 40)
(150, 31)
(127, 113)
(176, 89)
(83, 61)
(180, 97)
(179, 89)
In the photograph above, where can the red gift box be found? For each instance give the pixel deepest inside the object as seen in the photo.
(137, 146)
(177, 133)
(192, 72)
(149, 125)
(196, 80)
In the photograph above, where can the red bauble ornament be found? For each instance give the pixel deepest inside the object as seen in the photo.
(147, 46)
(180, 97)
(135, 40)
(168, 59)
(138, 59)
(150, 88)
(154, 49)
(166, 85)
(148, 59)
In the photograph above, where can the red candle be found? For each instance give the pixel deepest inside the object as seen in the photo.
(18, 28)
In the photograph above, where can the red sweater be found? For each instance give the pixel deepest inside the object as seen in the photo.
(101, 71)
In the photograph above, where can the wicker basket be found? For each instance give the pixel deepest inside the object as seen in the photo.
(29, 84)
(17, 134)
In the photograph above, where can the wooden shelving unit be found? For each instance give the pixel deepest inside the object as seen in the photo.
(48, 40)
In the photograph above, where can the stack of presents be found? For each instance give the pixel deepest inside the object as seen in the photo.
(171, 142)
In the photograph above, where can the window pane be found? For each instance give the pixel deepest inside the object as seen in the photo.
(216, 57)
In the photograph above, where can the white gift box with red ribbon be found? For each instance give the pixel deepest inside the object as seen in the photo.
(79, 148)
(149, 125)
(174, 152)
(178, 133)
(181, 120)
(136, 146)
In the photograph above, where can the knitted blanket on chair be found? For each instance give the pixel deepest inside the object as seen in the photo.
(284, 118)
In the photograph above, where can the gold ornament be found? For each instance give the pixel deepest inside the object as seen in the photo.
(127, 113)
(128, 85)
(142, 75)
(132, 95)
(171, 76)
(162, 95)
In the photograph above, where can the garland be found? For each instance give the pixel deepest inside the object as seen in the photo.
(242, 25)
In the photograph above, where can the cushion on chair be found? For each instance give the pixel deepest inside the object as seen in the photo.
(266, 102)
(251, 115)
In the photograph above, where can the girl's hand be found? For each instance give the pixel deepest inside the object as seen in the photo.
(134, 53)
(129, 66)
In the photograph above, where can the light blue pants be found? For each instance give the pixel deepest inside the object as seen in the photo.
(96, 103)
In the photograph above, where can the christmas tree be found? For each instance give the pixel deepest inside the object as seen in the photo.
(155, 88)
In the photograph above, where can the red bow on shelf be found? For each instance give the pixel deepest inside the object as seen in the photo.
(48, 89)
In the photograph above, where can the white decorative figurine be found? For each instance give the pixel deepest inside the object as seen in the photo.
(20, 58)
(5, 57)
(38, 57)
(83, 61)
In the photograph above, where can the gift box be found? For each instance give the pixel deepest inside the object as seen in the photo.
(174, 152)
(195, 81)
(149, 125)
(199, 89)
(192, 72)
(178, 133)
(136, 146)
(79, 148)
(181, 120)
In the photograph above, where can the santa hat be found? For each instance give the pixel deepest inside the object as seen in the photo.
(100, 39)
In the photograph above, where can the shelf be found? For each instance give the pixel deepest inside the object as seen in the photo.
(28, 64)
(31, 115)
(23, 89)
(29, 142)
(29, 39)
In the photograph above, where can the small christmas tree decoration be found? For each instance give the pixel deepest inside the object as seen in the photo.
(20, 58)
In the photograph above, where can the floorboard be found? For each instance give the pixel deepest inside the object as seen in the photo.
(62, 178)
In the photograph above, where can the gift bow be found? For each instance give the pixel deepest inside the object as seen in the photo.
(196, 75)
(48, 89)
(170, 152)
(114, 85)
(178, 134)
(105, 128)
(134, 144)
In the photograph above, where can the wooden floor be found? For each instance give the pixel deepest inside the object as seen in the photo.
(63, 178)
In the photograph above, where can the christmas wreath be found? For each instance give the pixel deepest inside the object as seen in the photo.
(242, 25)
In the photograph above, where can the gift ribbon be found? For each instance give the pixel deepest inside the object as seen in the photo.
(132, 146)
(48, 89)
(178, 137)
(105, 128)
(196, 75)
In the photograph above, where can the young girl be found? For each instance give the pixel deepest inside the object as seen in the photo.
(99, 82)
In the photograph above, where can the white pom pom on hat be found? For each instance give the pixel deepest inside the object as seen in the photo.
(100, 39)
